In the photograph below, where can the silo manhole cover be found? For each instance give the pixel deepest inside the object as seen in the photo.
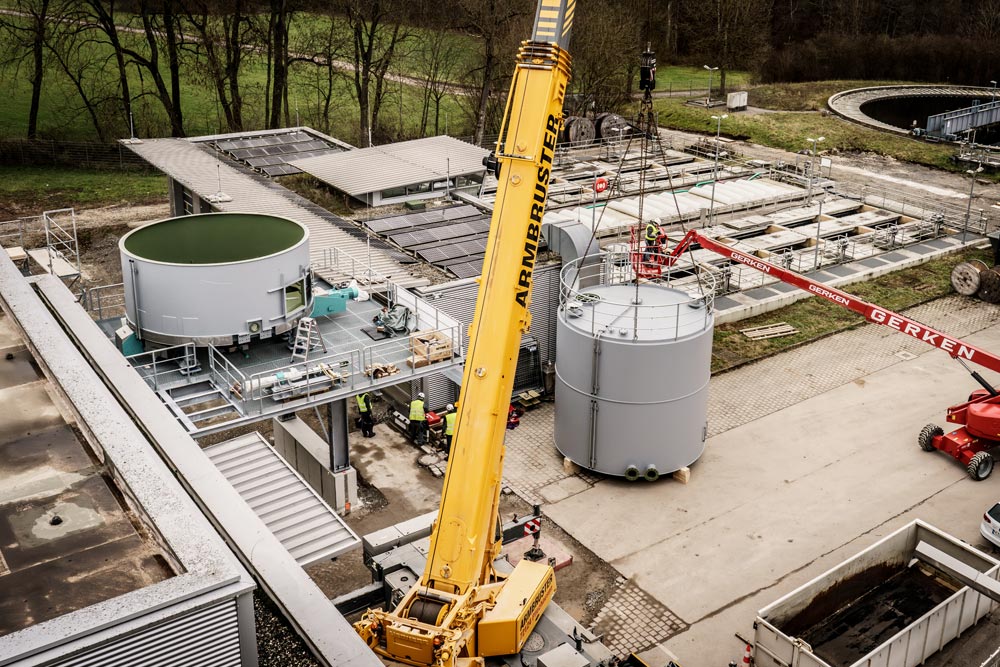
(588, 297)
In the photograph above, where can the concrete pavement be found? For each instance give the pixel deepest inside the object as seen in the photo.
(780, 499)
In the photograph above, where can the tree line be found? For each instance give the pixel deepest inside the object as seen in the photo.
(121, 60)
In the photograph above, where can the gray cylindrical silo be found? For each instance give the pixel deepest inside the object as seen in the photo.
(218, 278)
(632, 378)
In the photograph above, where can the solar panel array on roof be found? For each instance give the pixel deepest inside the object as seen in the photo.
(453, 239)
(271, 153)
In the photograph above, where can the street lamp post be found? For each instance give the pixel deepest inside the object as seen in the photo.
(715, 172)
(812, 164)
(711, 70)
(968, 211)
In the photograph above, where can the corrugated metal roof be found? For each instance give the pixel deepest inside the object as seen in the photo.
(202, 171)
(377, 168)
(294, 513)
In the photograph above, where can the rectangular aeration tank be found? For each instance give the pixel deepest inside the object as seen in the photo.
(877, 609)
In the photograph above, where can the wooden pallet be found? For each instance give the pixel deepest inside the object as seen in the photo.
(769, 331)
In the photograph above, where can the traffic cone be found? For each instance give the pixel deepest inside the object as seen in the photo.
(747, 656)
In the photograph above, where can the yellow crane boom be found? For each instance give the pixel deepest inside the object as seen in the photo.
(462, 609)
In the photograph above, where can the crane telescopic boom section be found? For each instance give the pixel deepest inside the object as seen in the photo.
(462, 609)
(956, 348)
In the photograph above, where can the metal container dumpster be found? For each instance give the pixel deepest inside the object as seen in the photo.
(881, 608)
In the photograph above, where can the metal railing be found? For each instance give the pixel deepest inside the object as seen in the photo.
(338, 261)
(620, 314)
(104, 302)
(225, 376)
(341, 368)
(828, 251)
(165, 366)
(61, 240)
(993, 660)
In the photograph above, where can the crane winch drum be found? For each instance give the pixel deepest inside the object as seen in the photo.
(632, 371)
(216, 278)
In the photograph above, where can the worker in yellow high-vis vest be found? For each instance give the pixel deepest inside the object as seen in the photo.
(449, 428)
(418, 420)
(366, 421)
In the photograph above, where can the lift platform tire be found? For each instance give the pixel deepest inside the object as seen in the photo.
(980, 466)
(926, 437)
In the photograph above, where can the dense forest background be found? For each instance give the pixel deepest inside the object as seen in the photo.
(381, 70)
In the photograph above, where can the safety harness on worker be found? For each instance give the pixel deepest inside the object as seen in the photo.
(417, 410)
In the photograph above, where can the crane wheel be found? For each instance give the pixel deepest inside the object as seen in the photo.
(927, 435)
(980, 466)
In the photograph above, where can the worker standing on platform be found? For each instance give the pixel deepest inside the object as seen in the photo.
(652, 237)
(449, 428)
(418, 420)
(367, 422)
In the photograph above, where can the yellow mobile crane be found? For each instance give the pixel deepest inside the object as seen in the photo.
(462, 609)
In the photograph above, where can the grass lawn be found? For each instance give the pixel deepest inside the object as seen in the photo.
(809, 96)
(31, 190)
(815, 317)
(681, 77)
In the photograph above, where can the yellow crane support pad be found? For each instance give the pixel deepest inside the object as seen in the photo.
(527, 591)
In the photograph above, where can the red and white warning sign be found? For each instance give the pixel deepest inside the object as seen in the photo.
(600, 184)
(532, 526)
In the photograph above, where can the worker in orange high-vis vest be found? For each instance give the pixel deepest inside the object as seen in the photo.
(449, 428)
(418, 420)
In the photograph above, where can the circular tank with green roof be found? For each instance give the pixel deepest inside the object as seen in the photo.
(216, 278)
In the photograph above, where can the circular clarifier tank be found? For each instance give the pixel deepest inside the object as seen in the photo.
(632, 373)
(217, 278)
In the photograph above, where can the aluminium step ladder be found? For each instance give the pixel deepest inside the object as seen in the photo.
(307, 337)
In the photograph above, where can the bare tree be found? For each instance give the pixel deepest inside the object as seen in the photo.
(376, 33)
(221, 32)
(438, 59)
(606, 45)
(27, 28)
(732, 33)
(278, 24)
(491, 22)
(324, 45)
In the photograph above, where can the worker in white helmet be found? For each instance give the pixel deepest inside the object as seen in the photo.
(449, 427)
(418, 420)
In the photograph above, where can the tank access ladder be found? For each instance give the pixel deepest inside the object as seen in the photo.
(307, 337)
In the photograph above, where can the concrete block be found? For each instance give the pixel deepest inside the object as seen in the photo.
(381, 541)
(417, 527)
(569, 467)
(683, 475)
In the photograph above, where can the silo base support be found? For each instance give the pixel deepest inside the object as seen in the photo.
(309, 453)
(683, 475)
